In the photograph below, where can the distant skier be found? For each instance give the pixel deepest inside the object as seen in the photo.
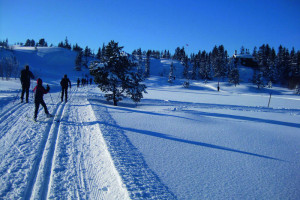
(25, 81)
(65, 82)
(78, 82)
(91, 80)
(39, 92)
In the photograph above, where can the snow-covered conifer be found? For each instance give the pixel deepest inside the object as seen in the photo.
(186, 67)
(115, 76)
(147, 64)
(78, 61)
(171, 73)
(234, 76)
(297, 89)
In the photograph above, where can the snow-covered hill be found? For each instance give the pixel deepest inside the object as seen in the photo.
(178, 143)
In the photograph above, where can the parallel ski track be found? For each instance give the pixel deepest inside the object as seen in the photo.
(82, 185)
(10, 111)
(41, 171)
(11, 116)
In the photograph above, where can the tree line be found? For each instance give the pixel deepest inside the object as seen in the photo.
(275, 67)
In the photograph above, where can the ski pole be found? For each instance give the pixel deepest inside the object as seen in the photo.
(269, 99)
(17, 96)
(51, 98)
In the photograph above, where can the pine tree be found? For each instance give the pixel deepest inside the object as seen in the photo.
(171, 73)
(9, 67)
(242, 50)
(42, 43)
(27, 43)
(261, 56)
(78, 61)
(99, 54)
(195, 68)
(234, 76)
(254, 54)
(269, 68)
(66, 44)
(103, 52)
(87, 53)
(116, 77)
(61, 44)
(297, 89)
(186, 68)
(32, 43)
(147, 65)
(258, 80)
(140, 61)
(77, 48)
(219, 63)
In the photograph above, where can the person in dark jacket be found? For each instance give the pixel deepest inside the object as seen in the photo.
(25, 81)
(39, 92)
(65, 82)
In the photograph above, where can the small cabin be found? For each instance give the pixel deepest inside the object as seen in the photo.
(245, 59)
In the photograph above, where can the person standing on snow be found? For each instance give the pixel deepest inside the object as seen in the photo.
(39, 92)
(65, 82)
(25, 81)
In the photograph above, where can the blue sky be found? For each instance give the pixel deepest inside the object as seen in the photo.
(154, 24)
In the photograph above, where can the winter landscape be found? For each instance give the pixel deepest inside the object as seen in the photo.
(177, 143)
(184, 100)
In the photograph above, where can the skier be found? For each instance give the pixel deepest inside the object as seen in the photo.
(25, 81)
(39, 92)
(78, 82)
(91, 80)
(64, 87)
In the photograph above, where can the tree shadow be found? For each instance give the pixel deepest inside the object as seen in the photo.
(169, 137)
(237, 117)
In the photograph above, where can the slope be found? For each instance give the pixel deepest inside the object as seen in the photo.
(185, 143)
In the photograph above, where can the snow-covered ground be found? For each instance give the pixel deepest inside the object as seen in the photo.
(178, 143)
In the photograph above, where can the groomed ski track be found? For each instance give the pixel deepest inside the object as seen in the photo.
(64, 157)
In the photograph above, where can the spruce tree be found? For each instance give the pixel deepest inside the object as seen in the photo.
(66, 44)
(27, 43)
(234, 76)
(186, 68)
(254, 54)
(78, 61)
(242, 50)
(140, 61)
(116, 77)
(219, 63)
(77, 48)
(87, 53)
(195, 68)
(297, 89)
(147, 65)
(99, 54)
(42, 43)
(258, 79)
(171, 73)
